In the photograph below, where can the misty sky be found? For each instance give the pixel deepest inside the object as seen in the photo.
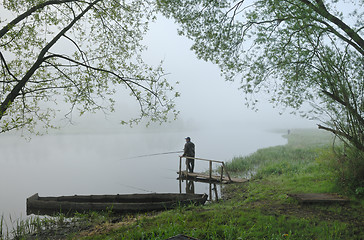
(206, 98)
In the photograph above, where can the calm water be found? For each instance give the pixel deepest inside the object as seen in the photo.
(68, 164)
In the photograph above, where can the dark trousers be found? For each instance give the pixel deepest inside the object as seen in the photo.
(190, 164)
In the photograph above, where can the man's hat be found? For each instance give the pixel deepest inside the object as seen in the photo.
(188, 138)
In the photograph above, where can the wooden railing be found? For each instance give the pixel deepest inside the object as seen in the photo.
(210, 167)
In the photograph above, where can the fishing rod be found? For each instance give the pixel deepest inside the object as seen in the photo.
(154, 154)
(137, 188)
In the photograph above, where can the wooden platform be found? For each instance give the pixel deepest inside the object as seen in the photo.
(319, 198)
(203, 177)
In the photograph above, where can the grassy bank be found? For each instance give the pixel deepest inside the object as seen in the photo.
(50, 227)
(259, 209)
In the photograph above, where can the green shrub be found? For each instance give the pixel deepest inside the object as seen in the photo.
(348, 166)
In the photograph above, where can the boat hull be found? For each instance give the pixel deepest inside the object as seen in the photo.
(116, 203)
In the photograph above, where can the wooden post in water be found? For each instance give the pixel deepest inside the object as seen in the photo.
(180, 185)
(216, 195)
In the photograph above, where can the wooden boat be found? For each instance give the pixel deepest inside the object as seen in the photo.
(115, 203)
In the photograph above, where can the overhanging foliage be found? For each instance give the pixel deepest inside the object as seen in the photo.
(79, 51)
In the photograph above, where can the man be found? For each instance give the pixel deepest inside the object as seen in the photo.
(189, 151)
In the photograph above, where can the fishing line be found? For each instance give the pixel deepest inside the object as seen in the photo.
(149, 155)
(170, 178)
(171, 170)
(141, 189)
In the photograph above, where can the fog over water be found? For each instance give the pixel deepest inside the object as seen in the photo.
(68, 164)
(93, 155)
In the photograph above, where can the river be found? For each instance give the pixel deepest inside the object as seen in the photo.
(104, 163)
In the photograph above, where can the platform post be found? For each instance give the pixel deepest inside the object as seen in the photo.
(210, 178)
(222, 172)
(210, 170)
(186, 162)
(180, 185)
(227, 173)
(216, 195)
(180, 167)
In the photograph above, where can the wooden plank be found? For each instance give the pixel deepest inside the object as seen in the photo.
(207, 160)
(205, 178)
(319, 198)
(181, 237)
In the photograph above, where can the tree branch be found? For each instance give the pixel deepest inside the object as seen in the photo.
(17, 88)
(345, 104)
(128, 81)
(357, 144)
(9, 26)
(6, 67)
(322, 11)
(336, 132)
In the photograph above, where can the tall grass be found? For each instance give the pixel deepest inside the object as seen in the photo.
(48, 225)
(297, 166)
(23, 227)
(298, 154)
(270, 156)
(27, 226)
(308, 155)
(347, 164)
(1, 226)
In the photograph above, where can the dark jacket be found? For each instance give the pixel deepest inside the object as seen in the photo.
(189, 150)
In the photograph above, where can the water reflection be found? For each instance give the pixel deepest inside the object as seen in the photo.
(188, 186)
